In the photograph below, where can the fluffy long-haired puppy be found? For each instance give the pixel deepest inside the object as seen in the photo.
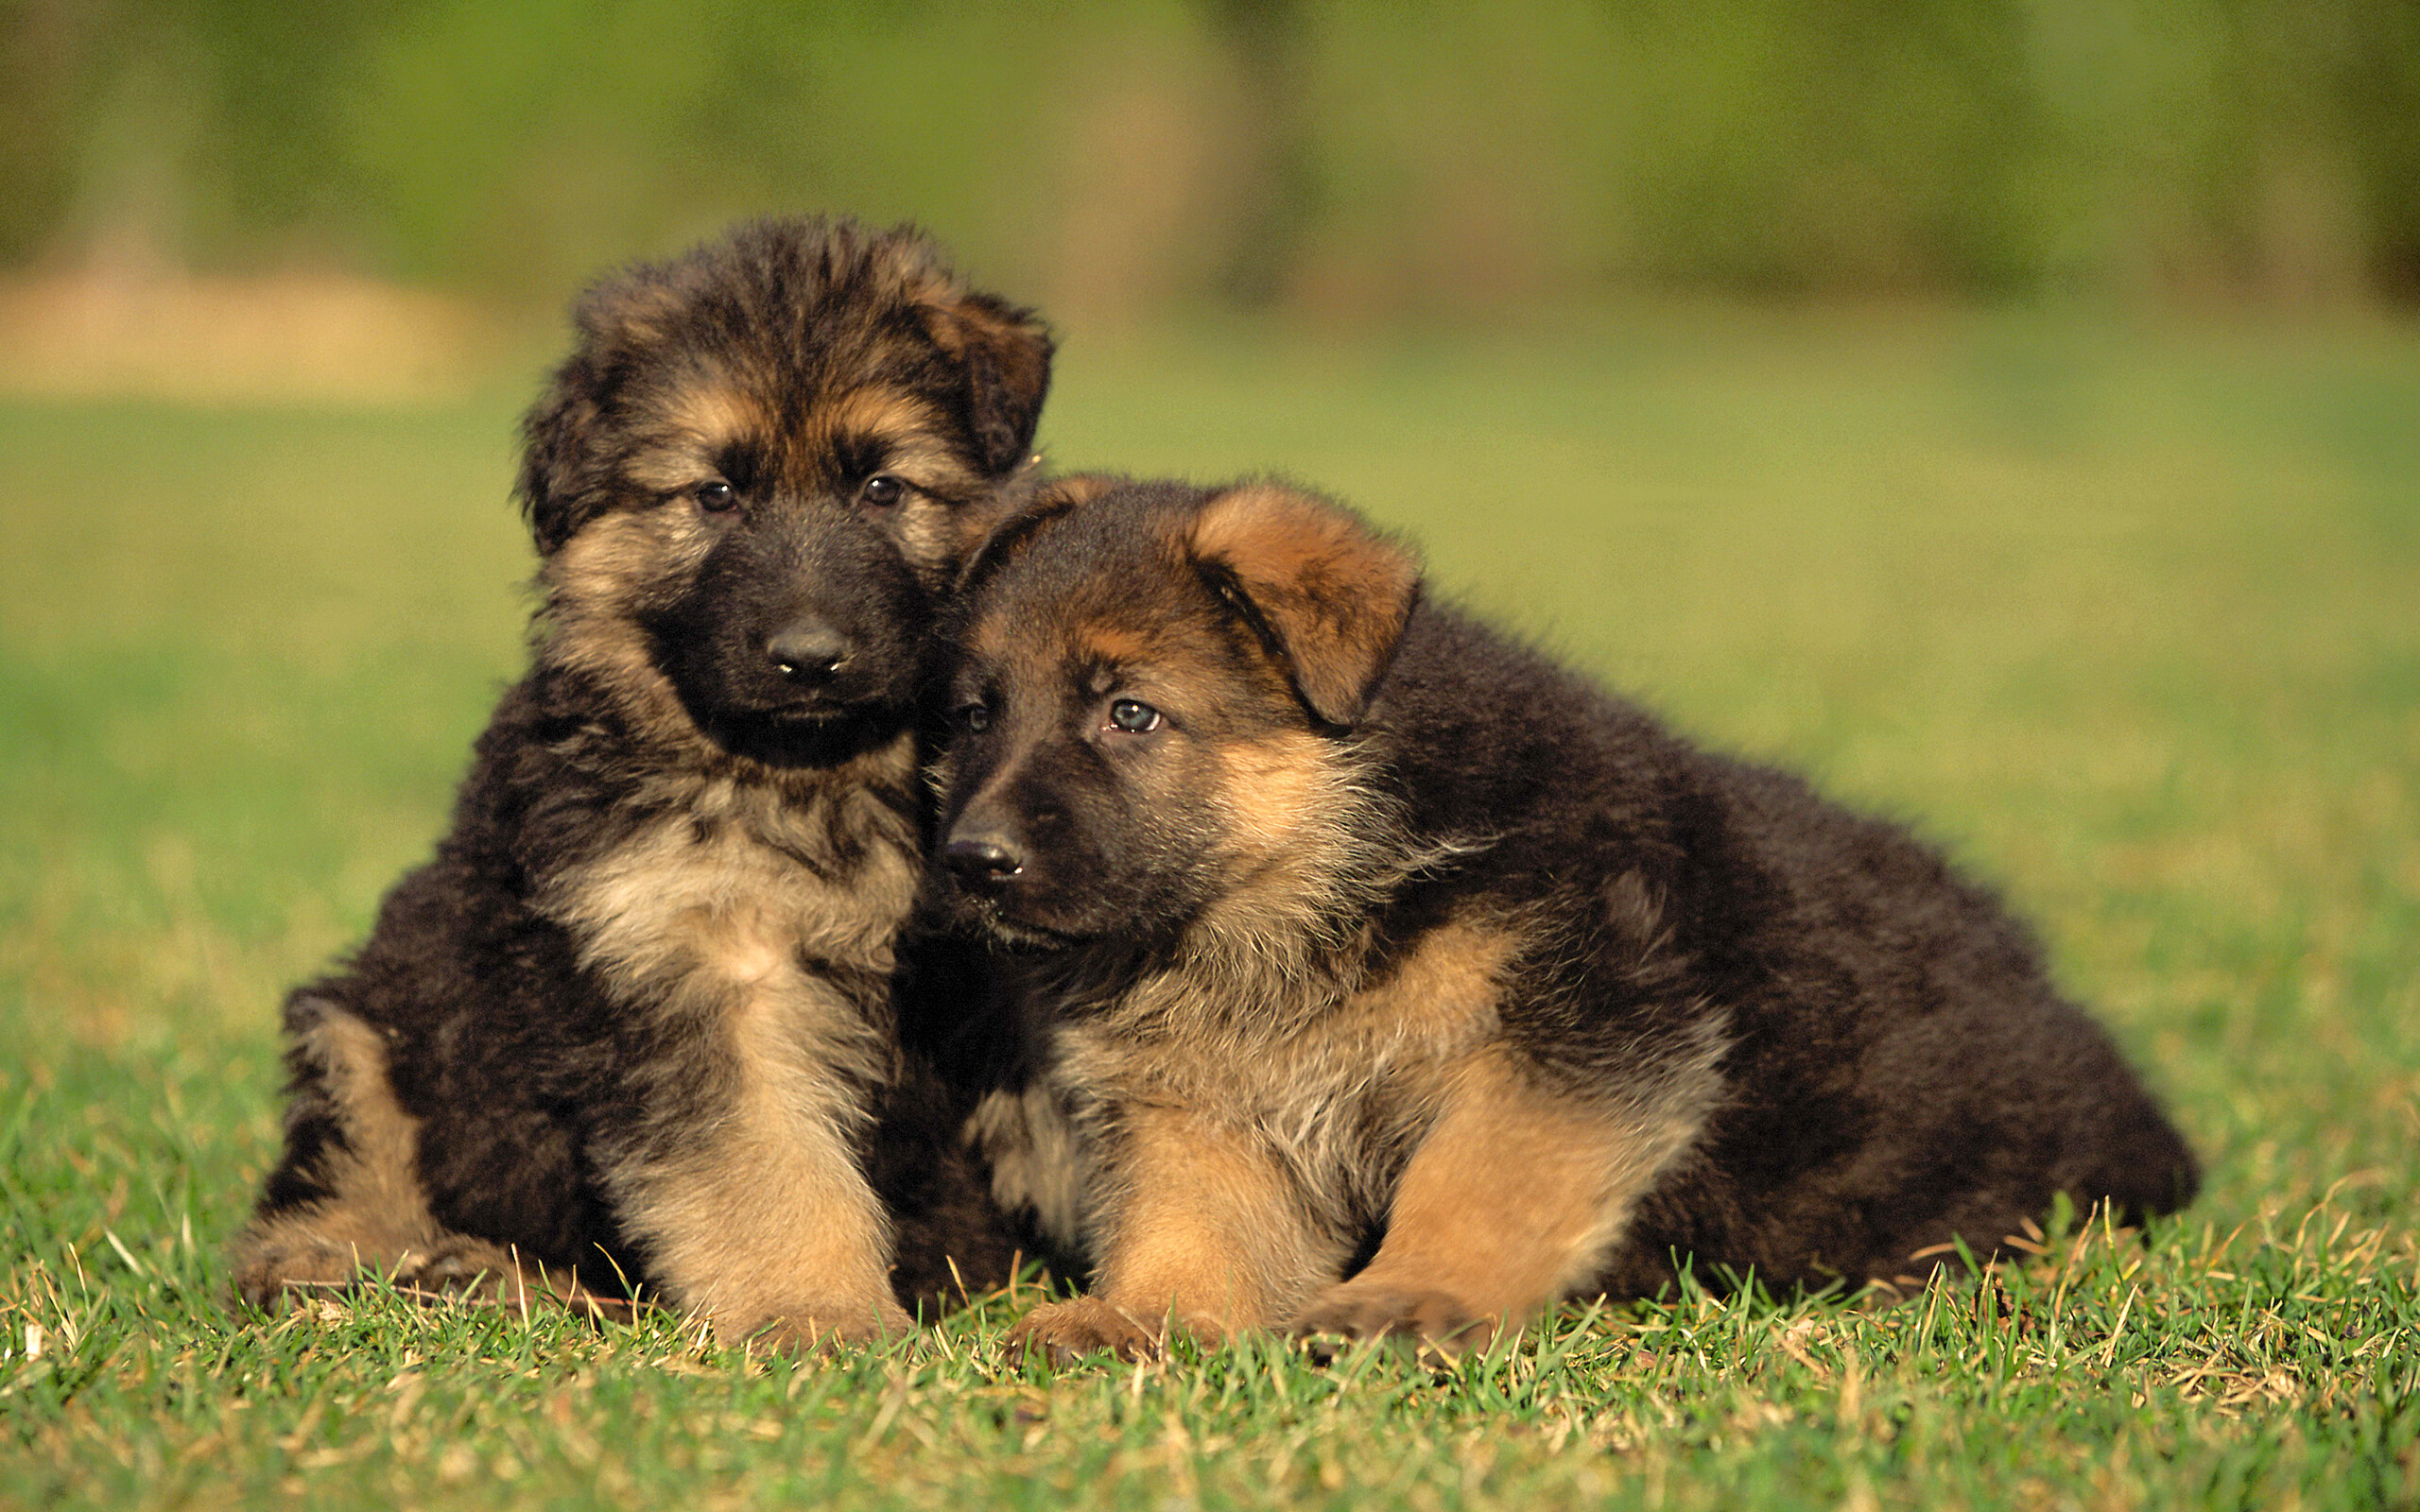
(634, 1027)
(1366, 933)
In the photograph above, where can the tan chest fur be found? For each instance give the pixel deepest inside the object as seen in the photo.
(1319, 1072)
(750, 908)
(755, 924)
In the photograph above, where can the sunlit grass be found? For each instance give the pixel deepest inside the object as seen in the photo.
(2130, 621)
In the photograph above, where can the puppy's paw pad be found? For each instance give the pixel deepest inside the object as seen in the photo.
(1060, 1333)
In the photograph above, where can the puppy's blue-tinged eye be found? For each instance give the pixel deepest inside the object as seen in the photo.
(715, 497)
(976, 718)
(1133, 715)
(883, 488)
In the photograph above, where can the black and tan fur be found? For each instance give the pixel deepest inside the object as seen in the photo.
(634, 1027)
(1363, 932)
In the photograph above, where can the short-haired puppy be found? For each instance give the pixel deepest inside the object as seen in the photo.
(635, 1024)
(1366, 933)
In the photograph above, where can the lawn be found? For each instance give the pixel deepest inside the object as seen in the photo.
(2129, 620)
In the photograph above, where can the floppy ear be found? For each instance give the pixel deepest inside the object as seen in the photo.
(557, 482)
(1328, 595)
(1006, 352)
(554, 445)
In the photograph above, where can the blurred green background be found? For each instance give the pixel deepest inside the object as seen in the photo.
(1349, 160)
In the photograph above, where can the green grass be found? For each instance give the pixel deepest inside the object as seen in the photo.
(2129, 621)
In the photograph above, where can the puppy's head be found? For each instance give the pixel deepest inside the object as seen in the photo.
(760, 467)
(1153, 709)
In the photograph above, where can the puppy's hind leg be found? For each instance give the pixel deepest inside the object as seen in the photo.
(346, 1204)
(347, 1200)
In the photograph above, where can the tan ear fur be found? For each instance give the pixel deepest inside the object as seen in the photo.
(1006, 352)
(1331, 594)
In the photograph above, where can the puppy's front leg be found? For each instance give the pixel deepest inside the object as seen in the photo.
(748, 1195)
(1509, 1203)
(1200, 1229)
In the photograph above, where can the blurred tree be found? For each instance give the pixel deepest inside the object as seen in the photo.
(53, 69)
(2380, 81)
(1368, 158)
(1268, 41)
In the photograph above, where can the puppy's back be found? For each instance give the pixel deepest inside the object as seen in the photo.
(1900, 1067)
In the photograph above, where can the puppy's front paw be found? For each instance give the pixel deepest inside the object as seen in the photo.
(1437, 1320)
(822, 1326)
(1063, 1333)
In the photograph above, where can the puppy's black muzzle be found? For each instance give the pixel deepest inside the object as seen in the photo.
(807, 653)
(983, 864)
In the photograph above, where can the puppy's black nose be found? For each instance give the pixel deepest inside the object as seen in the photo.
(808, 650)
(981, 861)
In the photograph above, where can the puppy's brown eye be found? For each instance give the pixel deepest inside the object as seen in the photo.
(1133, 715)
(715, 497)
(975, 718)
(883, 488)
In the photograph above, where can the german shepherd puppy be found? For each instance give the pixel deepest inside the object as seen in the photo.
(1367, 933)
(634, 1025)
